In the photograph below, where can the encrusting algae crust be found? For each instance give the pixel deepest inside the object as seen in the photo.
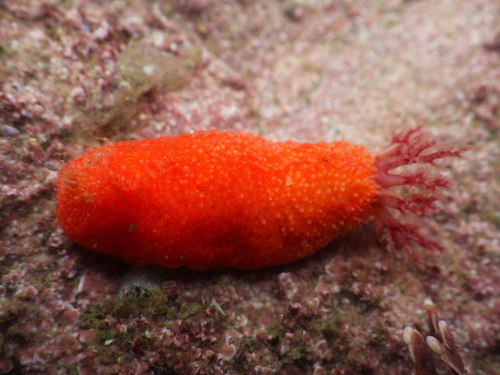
(211, 200)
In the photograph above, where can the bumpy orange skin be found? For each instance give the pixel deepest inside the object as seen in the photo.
(212, 200)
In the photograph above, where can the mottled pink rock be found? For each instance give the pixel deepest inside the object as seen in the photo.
(308, 71)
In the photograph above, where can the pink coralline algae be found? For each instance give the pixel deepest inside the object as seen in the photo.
(77, 74)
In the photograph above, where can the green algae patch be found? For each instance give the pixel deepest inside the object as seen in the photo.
(141, 295)
(140, 301)
(94, 316)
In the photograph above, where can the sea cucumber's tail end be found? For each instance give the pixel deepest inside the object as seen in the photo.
(408, 164)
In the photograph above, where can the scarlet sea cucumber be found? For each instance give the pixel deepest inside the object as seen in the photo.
(212, 200)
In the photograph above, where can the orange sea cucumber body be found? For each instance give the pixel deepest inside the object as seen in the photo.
(212, 200)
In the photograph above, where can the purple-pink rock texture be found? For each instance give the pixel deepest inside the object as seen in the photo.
(75, 74)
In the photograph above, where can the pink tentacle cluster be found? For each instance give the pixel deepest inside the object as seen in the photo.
(417, 151)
